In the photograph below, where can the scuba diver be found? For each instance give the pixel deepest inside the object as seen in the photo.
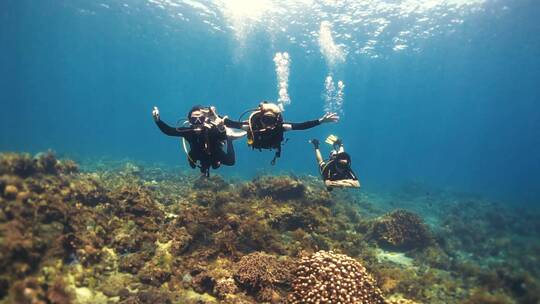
(265, 126)
(206, 135)
(336, 171)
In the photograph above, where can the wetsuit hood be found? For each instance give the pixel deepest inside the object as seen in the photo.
(195, 108)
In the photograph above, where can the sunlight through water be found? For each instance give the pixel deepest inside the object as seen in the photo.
(366, 27)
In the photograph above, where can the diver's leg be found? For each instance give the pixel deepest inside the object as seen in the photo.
(318, 156)
(191, 160)
(229, 158)
(204, 165)
(216, 164)
(205, 171)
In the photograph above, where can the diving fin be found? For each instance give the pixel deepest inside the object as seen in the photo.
(331, 139)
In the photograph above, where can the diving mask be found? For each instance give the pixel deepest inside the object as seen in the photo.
(197, 120)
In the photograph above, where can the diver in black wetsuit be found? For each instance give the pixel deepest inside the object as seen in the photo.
(206, 137)
(336, 171)
(265, 127)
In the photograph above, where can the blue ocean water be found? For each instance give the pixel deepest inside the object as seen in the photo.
(442, 92)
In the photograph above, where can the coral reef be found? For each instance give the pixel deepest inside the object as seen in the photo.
(280, 188)
(127, 232)
(327, 277)
(258, 273)
(401, 229)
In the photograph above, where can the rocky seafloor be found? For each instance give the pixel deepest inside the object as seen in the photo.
(128, 233)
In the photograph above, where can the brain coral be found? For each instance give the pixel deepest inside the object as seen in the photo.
(327, 277)
(401, 229)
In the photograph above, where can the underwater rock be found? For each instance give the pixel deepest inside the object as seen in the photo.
(154, 276)
(159, 269)
(133, 262)
(88, 191)
(151, 295)
(23, 165)
(136, 204)
(192, 297)
(180, 240)
(84, 295)
(280, 187)
(213, 183)
(401, 229)
(10, 192)
(46, 163)
(328, 277)
(203, 282)
(258, 273)
(32, 291)
(481, 296)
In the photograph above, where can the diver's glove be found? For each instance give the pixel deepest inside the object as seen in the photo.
(155, 113)
(315, 143)
(329, 117)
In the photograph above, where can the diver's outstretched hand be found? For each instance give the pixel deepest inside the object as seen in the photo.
(155, 113)
(329, 117)
(217, 120)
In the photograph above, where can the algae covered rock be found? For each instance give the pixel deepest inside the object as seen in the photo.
(224, 287)
(258, 273)
(328, 277)
(279, 187)
(24, 165)
(401, 229)
(88, 191)
(214, 183)
(154, 236)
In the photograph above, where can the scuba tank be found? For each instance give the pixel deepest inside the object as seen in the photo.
(256, 125)
(261, 137)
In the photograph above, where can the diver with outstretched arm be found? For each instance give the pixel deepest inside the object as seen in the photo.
(205, 137)
(265, 127)
(336, 171)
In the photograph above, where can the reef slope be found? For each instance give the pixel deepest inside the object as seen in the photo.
(127, 233)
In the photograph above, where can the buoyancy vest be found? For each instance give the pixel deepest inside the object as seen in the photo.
(329, 170)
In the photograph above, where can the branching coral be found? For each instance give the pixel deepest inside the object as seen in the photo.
(328, 277)
(258, 273)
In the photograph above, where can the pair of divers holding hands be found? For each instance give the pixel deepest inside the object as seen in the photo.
(207, 133)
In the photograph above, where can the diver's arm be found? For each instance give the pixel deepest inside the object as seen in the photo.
(165, 128)
(287, 126)
(327, 117)
(168, 130)
(242, 125)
